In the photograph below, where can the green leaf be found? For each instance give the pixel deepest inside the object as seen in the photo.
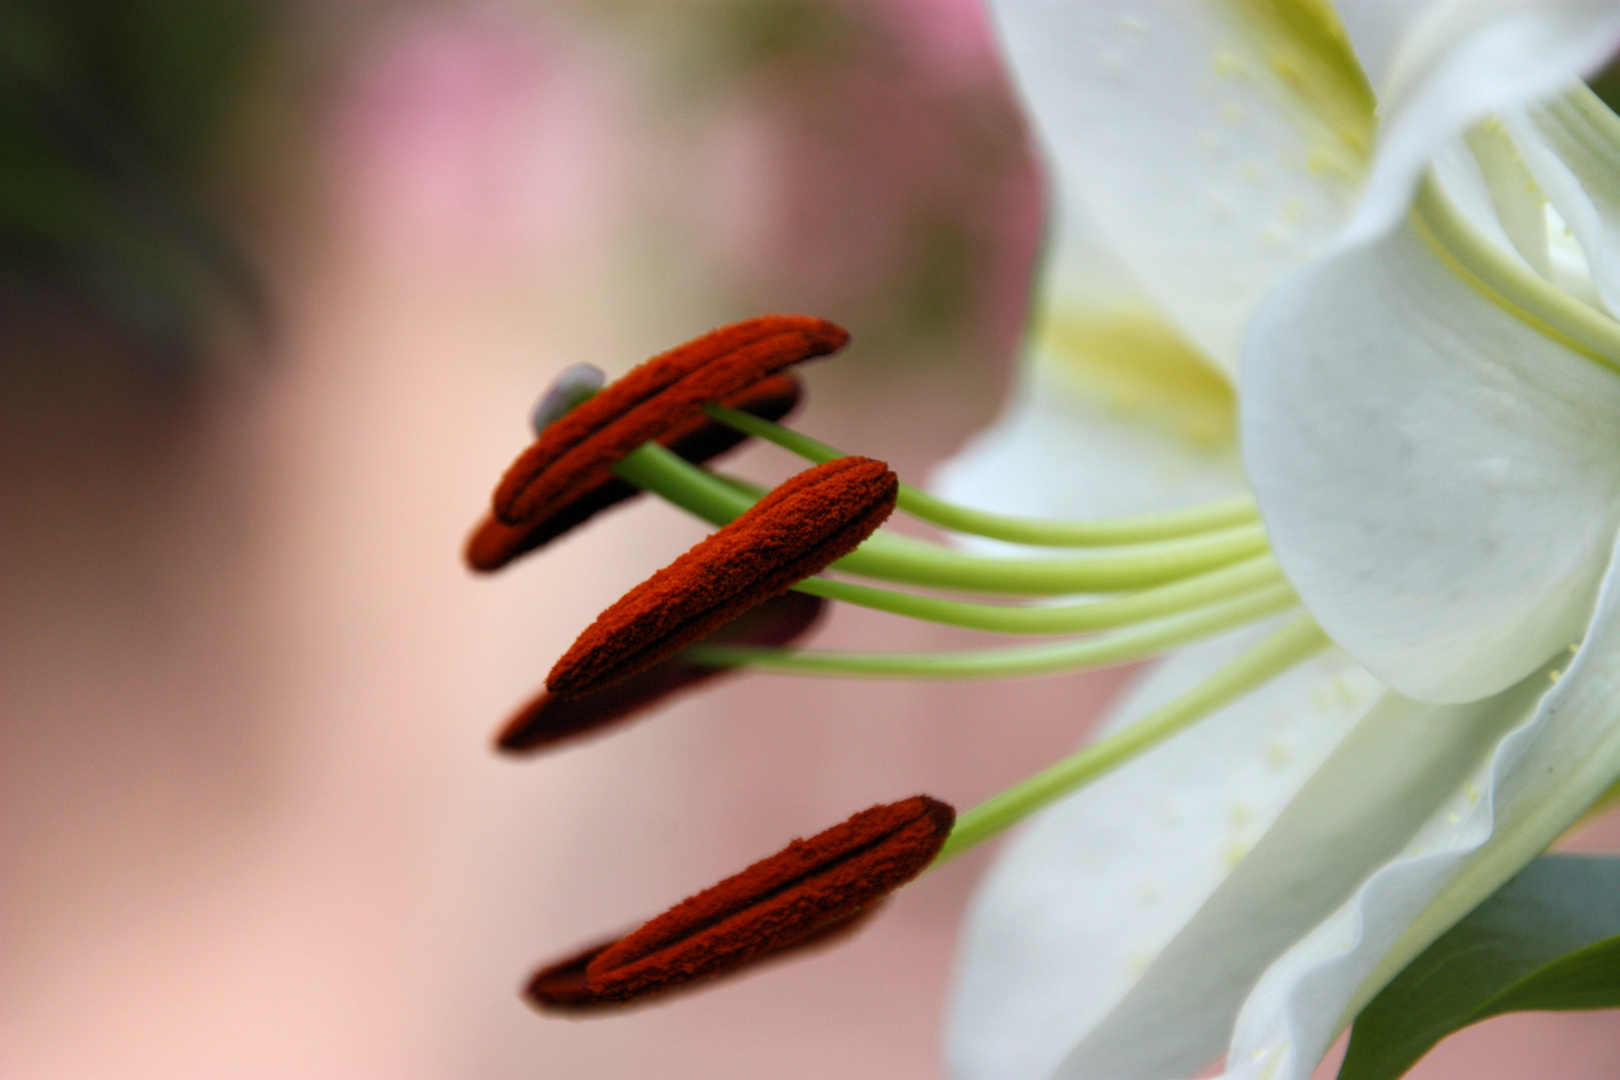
(1548, 939)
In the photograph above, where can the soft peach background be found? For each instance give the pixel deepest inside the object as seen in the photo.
(251, 826)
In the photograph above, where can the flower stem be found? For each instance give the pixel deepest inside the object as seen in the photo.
(1116, 648)
(1155, 603)
(1238, 510)
(1291, 645)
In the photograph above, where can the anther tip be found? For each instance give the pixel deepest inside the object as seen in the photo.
(490, 545)
(561, 988)
(829, 335)
(942, 814)
(524, 730)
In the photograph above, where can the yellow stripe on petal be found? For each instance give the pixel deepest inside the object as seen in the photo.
(1302, 48)
(1131, 360)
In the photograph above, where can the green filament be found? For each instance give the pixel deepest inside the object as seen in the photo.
(653, 468)
(1239, 510)
(1134, 643)
(1293, 644)
(889, 557)
(1156, 603)
(1507, 283)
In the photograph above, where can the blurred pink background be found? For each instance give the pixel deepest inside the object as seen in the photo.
(251, 823)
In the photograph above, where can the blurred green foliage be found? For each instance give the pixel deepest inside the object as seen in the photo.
(767, 33)
(112, 119)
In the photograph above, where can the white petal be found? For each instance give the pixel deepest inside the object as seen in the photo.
(1115, 414)
(1441, 65)
(1535, 783)
(1364, 802)
(1058, 450)
(1079, 906)
(1114, 411)
(1436, 472)
(1213, 145)
(1571, 146)
(1377, 29)
(1513, 205)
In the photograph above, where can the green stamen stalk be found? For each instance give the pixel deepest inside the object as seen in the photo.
(1295, 643)
(889, 557)
(1156, 603)
(1239, 510)
(655, 469)
(1116, 648)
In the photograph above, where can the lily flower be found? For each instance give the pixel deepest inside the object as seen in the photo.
(1422, 299)
(1253, 882)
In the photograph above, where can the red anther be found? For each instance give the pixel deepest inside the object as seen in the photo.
(561, 987)
(578, 452)
(805, 890)
(494, 543)
(548, 720)
(797, 530)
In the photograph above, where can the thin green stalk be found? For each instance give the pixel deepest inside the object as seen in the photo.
(888, 557)
(655, 469)
(1155, 603)
(1238, 510)
(1116, 648)
(1295, 643)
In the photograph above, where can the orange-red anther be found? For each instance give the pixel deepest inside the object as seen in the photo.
(578, 452)
(801, 895)
(548, 719)
(798, 529)
(494, 544)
